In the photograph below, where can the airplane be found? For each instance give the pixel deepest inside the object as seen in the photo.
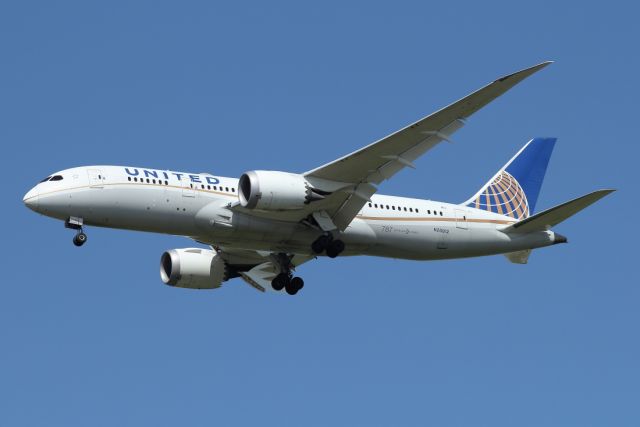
(265, 224)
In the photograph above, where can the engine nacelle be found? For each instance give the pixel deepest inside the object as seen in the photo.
(192, 268)
(271, 190)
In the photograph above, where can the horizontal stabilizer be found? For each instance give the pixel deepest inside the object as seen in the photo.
(547, 219)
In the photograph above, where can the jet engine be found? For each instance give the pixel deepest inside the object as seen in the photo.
(192, 268)
(271, 190)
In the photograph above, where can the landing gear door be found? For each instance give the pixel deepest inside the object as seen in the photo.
(96, 178)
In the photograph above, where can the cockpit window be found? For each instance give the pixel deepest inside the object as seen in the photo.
(56, 178)
(46, 179)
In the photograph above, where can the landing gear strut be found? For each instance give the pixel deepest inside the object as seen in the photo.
(75, 223)
(326, 243)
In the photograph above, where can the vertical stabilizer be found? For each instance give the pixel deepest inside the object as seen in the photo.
(513, 191)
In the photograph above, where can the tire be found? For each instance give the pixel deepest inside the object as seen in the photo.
(331, 252)
(280, 282)
(338, 246)
(317, 247)
(292, 287)
(335, 248)
(79, 239)
(320, 244)
(297, 283)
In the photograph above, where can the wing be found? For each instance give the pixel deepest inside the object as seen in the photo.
(382, 159)
(369, 166)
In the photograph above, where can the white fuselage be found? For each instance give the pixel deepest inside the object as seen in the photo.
(198, 206)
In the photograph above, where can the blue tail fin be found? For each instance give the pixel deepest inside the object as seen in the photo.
(514, 190)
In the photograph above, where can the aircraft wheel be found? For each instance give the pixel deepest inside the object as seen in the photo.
(320, 244)
(335, 248)
(80, 239)
(294, 285)
(297, 283)
(280, 282)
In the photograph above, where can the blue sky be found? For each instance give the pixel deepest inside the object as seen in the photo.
(92, 337)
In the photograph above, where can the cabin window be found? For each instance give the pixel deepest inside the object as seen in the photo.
(233, 190)
(369, 204)
(154, 181)
(129, 178)
(410, 209)
(440, 213)
(405, 209)
(166, 183)
(215, 188)
(417, 210)
(147, 180)
(208, 187)
(135, 179)
(226, 189)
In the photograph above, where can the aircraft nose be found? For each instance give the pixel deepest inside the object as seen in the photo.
(31, 199)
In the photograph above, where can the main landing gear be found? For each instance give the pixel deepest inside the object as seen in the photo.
(290, 284)
(285, 279)
(75, 223)
(327, 243)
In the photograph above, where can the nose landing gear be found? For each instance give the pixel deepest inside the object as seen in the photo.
(75, 223)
